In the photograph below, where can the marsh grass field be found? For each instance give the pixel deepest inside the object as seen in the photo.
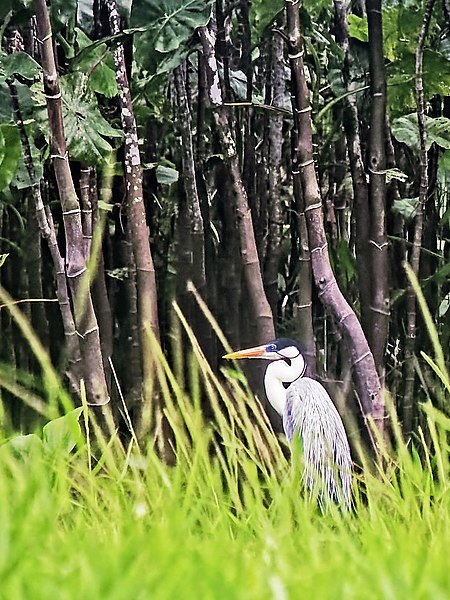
(84, 515)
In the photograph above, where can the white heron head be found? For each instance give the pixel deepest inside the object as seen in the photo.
(286, 356)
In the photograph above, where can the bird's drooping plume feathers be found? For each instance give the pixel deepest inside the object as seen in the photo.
(307, 411)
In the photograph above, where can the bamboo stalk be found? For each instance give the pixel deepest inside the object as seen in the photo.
(249, 254)
(46, 227)
(75, 267)
(360, 187)
(366, 379)
(275, 147)
(414, 253)
(379, 267)
(145, 271)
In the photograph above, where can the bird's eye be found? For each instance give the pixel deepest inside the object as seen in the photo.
(271, 348)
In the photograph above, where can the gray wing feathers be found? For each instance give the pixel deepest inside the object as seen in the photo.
(327, 460)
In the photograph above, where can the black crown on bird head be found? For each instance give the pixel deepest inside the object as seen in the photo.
(283, 342)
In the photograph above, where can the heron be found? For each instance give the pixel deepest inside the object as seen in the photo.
(307, 412)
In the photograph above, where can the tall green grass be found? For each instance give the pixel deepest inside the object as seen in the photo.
(228, 519)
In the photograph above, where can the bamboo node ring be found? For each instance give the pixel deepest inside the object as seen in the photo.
(297, 55)
(365, 355)
(53, 96)
(378, 246)
(90, 331)
(300, 111)
(320, 248)
(306, 163)
(47, 37)
(313, 206)
(380, 311)
(304, 305)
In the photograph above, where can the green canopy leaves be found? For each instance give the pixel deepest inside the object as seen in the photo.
(405, 129)
(10, 152)
(171, 26)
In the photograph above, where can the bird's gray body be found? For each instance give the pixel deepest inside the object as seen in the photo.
(310, 413)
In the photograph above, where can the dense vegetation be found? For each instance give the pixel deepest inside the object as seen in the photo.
(224, 178)
(174, 169)
(119, 523)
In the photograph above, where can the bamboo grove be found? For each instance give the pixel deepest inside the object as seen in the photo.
(282, 162)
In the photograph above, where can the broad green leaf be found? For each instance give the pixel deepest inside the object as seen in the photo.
(438, 131)
(401, 80)
(85, 127)
(103, 80)
(357, 28)
(406, 207)
(21, 63)
(11, 154)
(441, 275)
(21, 179)
(171, 22)
(172, 60)
(26, 102)
(405, 129)
(64, 433)
(238, 83)
(336, 80)
(63, 14)
(23, 10)
(22, 446)
(444, 171)
(166, 175)
(97, 63)
(5, 7)
(401, 26)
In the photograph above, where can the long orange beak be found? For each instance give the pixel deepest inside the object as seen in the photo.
(256, 352)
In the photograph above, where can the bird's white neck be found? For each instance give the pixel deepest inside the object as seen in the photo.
(277, 373)
(275, 392)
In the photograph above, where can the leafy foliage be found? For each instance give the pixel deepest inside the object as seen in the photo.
(171, 22)
(207, 515)
(263, 14)
(19, 63)
(59, 437)
(405, 129)
(87, 131)
(406, 207)
(170, 26)
(401, 26)
(10, 152)
(166, 175)
(401, 73)
(97, 63)
(357, 28)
